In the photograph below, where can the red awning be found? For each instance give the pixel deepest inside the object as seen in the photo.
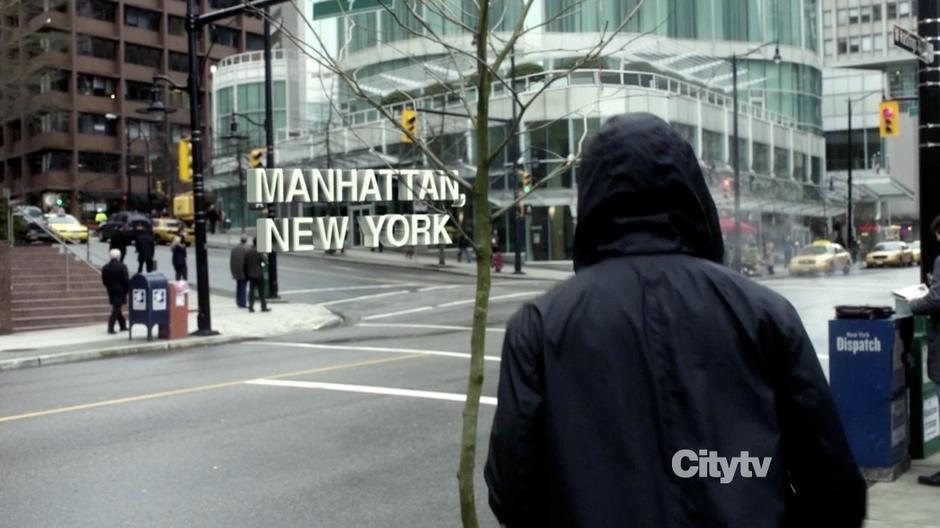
(727, 226)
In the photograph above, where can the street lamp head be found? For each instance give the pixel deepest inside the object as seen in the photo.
(156, 104)
(777, 58)
(233, 126)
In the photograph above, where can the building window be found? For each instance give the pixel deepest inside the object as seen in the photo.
(827, 47)
(842, 17)
(853, 15)
(179, 62)
(96, 85)
(781, 162)
(864, 13)
(254, 42)
(47, 123)
(854, 44)
(892, 10)
(904, 8)
(96, 124)
(876, 13)
(224, 36)
(52, 41)
(54, 81)
(866, 43)
(177, 25)
(97, 9)
(139, 129)
(98, 162)
(142, 55)
(96, 47)
(827, 17)
(141, 18)
(843, 46)
(878, 42)
(137, 91)
(49, 160)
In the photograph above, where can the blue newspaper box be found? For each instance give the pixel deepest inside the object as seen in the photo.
(867, 376)
(148, 302)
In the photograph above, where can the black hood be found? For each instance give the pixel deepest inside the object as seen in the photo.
(641, 191)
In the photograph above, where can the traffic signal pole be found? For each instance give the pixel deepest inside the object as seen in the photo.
(928, 25)
(269, 141)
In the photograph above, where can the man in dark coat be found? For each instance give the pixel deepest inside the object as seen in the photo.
(930, 305)
(119, 240)
(145, 249)
(236, 263)
(114, 278)
(254, 272)
(657, 388)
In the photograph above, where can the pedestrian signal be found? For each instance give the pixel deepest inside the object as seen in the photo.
(409, 122)
(256, 159)
(185, 160)
(888, 114)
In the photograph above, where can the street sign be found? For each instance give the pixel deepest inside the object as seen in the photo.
(913, 43)
(333, 8)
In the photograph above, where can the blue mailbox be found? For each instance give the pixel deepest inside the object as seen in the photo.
(148, 301)
(867, 376)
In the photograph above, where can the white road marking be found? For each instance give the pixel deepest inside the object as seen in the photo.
(492, 299)
(401, 312)
(362, 297)
(356, 348)
(427, 326)
(366, 389)
(344, 268)
(442, 287)
(344, 288)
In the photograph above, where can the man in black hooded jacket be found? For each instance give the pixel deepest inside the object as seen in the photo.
(657, 388)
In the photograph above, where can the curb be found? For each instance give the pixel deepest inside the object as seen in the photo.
(428, 267)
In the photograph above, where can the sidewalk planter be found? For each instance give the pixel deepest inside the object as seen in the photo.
(867, 376)
(148, 302)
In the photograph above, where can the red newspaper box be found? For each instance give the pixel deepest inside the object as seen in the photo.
(177, 326)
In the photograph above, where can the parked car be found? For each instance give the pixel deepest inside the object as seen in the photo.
(116, 220)
(895, 253)
(822, 256)
(67, 227)
(164, 229)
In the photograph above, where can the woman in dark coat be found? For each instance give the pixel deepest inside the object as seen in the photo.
(179, 258)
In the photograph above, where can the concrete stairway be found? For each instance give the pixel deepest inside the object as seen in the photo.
(42, 298)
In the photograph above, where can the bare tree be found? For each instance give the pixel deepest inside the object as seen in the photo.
(487, 32)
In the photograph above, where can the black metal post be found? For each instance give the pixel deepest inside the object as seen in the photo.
(849, 222)
(127, 166)
(204, 319)
(168, 191)
(148, 170)
(241, 186)
(269, 141)
(519, 234)
(928, 25)
(737, 169)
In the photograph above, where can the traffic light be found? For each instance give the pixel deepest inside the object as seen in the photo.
(526, 182)
(256, 159)
(59, 202)
(409, 121)
(888, 114)
(186, 160)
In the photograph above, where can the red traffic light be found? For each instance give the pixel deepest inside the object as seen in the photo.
(887, 112)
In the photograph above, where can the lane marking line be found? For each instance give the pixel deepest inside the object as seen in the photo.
(362, 298)
(344, 288)
(427, 326)
(393, 314)
(358, 348)
(492, 299)
(344, 268)
(442, 287)
(367, 389)
(201, 388)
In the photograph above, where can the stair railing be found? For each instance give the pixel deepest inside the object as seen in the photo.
(63, 248)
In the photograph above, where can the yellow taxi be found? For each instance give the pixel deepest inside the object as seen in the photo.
(822, 256)
(915, 251)
(67, 227)
(894, 253)
(164, 229)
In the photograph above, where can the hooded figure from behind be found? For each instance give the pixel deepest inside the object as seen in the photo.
(613, 383)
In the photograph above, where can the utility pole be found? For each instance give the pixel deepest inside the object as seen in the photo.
(849, 222)
(737, 170)
(514, 150)
(269, 141)
(928, 27)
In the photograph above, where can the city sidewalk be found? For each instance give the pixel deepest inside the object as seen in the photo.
(425, 259)
(905, 503)
(63, 345)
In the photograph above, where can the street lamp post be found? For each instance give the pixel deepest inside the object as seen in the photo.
(237, 139)
(735, 154)
(157, 107)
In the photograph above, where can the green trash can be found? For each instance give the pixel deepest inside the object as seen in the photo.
(925, 411)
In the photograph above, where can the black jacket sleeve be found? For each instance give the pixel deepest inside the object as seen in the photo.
(514, 467)
(828, 488)
(125, 281)
(929, 304)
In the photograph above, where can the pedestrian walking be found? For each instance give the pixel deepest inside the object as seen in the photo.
(212, 217)
(930, 305)
(254, 271)
(115, 280)
(463, 248)
(657, 387)
(120, 240)
(497, 257)
(179, 258)
(237, 266)
(145, 250)
(769, 257)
